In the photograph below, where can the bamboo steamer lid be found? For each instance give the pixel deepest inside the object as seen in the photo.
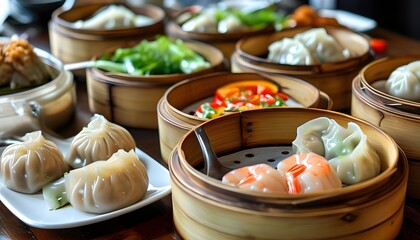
(71, 44)
(132, 100)
(204, 208)
(174, 112)
(332, 78)
(397, 117)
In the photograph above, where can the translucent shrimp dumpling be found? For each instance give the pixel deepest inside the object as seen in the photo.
(323, 46)
(102, 186)
(260, 177)
(346, 149)
(203, 23)
(27, 166)
(290, 51)
(308, 173)
(98, 141)
(404, 82)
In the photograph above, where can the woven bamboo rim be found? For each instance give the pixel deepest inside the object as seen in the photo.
(380, 70)
(355, 42)
(204, 212)
(401, 126)
(174, 122)
(261, 128)
(62, 21)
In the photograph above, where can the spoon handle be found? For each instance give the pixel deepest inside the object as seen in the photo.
(78, 65)
(212, 164)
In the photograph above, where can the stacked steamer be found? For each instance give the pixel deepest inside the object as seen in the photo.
(131, 99)
(317, 50)
(387, 94)
(207, 208)
(178, 115)
(223, 24)
(131, 62)
(73, 40)
(33, 81)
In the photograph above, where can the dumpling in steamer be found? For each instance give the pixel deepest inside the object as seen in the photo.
(404, 82)
(323, 46)
(98, 141)
(346, 149)
(260, 177)
(308, 173)
(102, 186)
(27, 166)
(290, 51)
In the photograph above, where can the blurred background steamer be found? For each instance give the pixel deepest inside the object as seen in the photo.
(73, 42)
(398, 117)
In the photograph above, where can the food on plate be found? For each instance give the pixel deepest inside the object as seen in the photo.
(102, 186)
(161, 56)
(306, 15)
(404, 82)
(228, 19)
(311, 47)
(20, 67)
(112, 17)
(242, 95)
(346, 149)
(308, 173)
(259, 177)
(98, 141)
(27, 166)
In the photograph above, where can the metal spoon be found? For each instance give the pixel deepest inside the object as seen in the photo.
(212, 164)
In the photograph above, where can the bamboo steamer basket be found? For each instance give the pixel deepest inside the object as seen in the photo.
(175, 119)
(56, 98)
(72, 44)
(224, 42)
(398, 117)
(132, 100)
(204, 208)
(332, 78)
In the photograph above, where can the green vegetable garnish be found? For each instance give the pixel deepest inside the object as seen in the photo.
(162, 56)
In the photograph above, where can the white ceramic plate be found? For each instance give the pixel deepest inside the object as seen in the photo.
(353, 21)
(33, 210)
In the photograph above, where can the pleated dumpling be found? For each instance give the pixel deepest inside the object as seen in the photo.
(98, 141)
(346, 149)
(27, 166)
(404, 82)
(323, 46)
(102, 186)
(289, 51)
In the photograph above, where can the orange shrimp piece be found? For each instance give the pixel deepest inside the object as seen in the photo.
(308, 172)
(259, 177)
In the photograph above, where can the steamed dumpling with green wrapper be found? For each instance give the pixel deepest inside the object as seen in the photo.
(346, 149)
(99, 140)
(102, 186)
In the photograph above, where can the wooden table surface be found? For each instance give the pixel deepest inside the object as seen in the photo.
(155, 220)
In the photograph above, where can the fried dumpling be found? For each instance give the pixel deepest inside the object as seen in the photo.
(102, 186)
(27, 166)
(346, 149)
(98, 141)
